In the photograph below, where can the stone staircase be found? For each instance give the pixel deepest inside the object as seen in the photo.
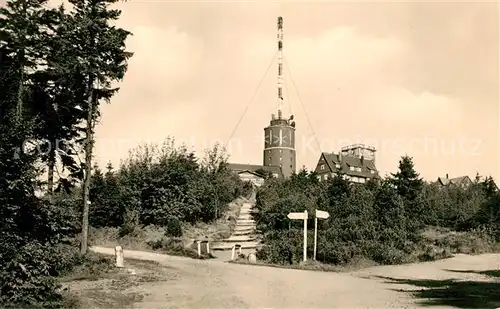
(244, 233)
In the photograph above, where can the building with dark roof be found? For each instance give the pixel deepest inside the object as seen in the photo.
(356, 162)
(253, 173)
(273, 170)
(462, 181)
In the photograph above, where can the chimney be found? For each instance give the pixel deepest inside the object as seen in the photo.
(446, 175)
(362, 159)
(340, 156)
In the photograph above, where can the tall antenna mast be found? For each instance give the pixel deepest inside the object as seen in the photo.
(280, 66)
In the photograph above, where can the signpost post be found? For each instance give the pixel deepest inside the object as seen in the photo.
(301, 216)
(322, 215)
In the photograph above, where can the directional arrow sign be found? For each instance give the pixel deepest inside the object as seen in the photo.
(322, 214)
(297, 216)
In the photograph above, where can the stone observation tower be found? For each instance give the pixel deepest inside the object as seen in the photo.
(279, 145)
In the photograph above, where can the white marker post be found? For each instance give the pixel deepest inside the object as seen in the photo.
(119, 256)
(199, 247)
(322, 215)
(301, 216)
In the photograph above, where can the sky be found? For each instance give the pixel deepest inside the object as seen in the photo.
(415, 78)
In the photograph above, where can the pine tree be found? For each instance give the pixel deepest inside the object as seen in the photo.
(409, 186)
(489, 187)
(99, 55)
(22, 29)
(58, 88)
(407, 181)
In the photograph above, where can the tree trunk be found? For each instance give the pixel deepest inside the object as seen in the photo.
(20, 89)
(21, 59)
(51, 164)
(88, 169)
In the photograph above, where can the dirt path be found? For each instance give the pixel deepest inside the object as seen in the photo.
(213, 284)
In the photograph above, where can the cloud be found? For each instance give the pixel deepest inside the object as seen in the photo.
(342, 54)
(401, 106)
(164, 60)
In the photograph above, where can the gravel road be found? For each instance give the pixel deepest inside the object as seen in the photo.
(214, 284)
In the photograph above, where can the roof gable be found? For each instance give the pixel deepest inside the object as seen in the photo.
(250, 172)
(461, 179)
(329, 159)
(443, 181)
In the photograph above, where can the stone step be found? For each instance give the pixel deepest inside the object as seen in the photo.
(229, 246)
(245, 221)
(244, 229)
(241, 238)
(244, 232)
(240, 227)
(243, 226)
(245, 217)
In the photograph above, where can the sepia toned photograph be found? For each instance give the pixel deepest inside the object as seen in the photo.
(159, 154)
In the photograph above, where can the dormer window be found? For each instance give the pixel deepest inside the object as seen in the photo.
(337, 165)
(358, 169)
(322, 167)
(351, 168)
(372, 171)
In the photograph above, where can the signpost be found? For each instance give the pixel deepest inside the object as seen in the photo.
(321, 215)
(301, 216)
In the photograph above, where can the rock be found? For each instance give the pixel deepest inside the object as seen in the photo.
(252, 258)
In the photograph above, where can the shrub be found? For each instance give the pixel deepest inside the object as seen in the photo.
(381, 220)
(174, 228)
